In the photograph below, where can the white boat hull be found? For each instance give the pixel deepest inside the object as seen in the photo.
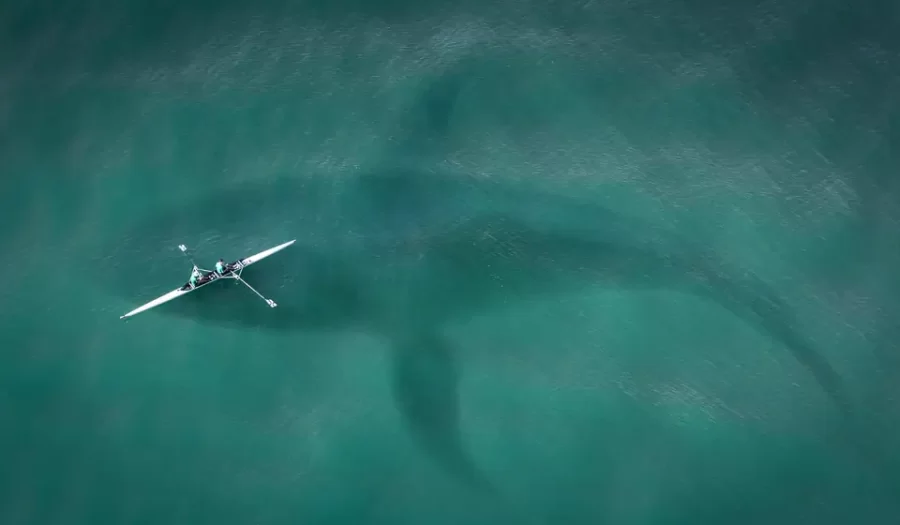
(247, 261)
(234, 268)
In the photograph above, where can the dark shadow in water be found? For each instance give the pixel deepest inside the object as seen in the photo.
(426, 127)
(425, 387)
(401, 263)
(399, 252)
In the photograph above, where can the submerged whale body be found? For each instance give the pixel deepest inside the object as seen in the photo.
(401, 252)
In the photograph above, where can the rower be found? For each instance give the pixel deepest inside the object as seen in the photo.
(195, 276)
(220, 267)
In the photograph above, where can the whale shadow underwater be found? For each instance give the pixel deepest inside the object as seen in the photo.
(399, 253)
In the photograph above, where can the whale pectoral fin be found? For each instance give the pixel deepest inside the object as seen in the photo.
(426, 391)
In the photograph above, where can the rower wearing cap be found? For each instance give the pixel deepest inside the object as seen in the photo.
(195, 276)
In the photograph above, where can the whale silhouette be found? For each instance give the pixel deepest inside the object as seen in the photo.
(401, 252)
(401, 249)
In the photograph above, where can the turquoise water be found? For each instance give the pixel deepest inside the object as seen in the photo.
(625, 263)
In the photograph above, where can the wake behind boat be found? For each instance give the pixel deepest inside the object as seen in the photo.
(231, 271)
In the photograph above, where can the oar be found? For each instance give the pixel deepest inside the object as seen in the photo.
(270, 302)
(183, 249)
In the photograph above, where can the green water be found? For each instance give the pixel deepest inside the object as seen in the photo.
(619, 263)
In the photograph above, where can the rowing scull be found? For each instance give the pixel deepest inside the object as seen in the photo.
(233, 271)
